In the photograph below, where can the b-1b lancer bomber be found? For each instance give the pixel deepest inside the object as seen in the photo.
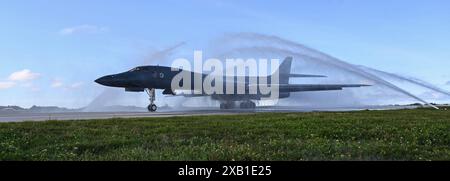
(149, 78)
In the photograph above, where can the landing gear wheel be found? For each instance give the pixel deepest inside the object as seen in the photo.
(252, 105)
(151, 93)
(247, 105)
(152, 107)
(227, 105)
(243, 105)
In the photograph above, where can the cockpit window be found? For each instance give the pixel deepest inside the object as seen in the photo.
(136, 69)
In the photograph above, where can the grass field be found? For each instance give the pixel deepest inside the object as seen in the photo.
(420, 134)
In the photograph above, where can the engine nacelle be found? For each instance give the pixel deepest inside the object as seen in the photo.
(134, 89)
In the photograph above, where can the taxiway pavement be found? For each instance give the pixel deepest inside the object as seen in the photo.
(28, 116)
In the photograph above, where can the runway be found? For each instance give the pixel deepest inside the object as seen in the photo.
(17, 117)
(28, 116)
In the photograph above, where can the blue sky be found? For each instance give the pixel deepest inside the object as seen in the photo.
(51, 51)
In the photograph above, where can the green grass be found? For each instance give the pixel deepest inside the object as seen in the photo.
(420, 134)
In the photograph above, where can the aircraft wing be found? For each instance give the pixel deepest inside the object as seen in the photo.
(316, 87)
(297, 88)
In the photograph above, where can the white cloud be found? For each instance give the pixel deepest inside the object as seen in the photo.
(448, 83)
(83, 29)
(23, 75)
(6, 85)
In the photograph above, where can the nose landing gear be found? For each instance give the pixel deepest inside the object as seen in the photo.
(151, 93)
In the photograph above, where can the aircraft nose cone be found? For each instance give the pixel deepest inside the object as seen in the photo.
(102, 80)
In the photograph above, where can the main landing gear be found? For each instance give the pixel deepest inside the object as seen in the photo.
(247, 105)
(151, 93)
(243, 105)
(227, 105)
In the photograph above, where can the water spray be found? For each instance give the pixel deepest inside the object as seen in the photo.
(311, 54)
